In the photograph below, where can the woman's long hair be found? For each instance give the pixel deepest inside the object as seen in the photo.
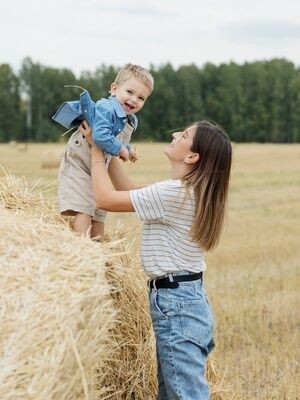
(209, 180)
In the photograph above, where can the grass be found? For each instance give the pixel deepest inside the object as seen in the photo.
(253, 277)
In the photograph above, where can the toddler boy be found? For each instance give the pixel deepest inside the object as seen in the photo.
(112, 121)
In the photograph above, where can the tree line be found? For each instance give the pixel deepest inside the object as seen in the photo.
(254, 102)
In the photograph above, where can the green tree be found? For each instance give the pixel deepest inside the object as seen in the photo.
(159, 114)
(44, 91)
(98, 83)
(256, 101)
(10, 105)
(279, 99)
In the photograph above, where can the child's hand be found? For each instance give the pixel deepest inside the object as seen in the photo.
(124, 153)
(133, 155)
(86, 131)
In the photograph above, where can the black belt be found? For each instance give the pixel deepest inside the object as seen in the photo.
(165, 283)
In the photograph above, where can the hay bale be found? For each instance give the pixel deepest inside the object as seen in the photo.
(22, 146)
(57, 312)
(51, 158)
(12, 143)
(133, 365)
(16, 194)
(56, 306)
(67, 330)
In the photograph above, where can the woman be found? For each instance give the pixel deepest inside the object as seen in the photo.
(183, 217)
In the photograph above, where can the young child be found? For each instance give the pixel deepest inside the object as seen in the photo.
(113, 121)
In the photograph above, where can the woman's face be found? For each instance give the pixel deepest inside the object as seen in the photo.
(180, 147)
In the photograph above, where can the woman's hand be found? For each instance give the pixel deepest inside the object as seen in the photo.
(133, 155)
(86, 131)
(124, 154)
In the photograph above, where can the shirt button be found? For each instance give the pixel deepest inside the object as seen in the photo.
(119, 130)
(85, 111)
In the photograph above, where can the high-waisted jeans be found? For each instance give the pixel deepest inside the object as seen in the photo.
(183, 325)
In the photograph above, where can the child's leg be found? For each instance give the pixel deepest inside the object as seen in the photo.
(82, 224)
(97, 232)
(74, 184)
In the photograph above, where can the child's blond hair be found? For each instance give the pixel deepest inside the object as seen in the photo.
(135, 71)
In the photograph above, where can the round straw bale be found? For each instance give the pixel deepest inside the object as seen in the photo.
(57, 312)
(51, 158)
(133, 366)
(12, 143)
(22, 146)
(16, 194)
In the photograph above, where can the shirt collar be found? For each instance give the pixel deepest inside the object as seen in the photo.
(117, 107)
(121, 113)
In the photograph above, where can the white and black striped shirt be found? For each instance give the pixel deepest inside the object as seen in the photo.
(168, 213)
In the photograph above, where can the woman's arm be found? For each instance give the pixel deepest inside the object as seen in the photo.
(106, 198)
(119, 177)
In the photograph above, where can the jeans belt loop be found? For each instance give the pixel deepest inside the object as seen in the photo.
(154, 281)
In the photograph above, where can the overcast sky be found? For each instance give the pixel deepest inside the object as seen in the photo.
(82, 34)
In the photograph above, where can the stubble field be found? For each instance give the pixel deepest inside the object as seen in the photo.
(253, 277)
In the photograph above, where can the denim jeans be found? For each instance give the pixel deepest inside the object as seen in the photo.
(183, 325)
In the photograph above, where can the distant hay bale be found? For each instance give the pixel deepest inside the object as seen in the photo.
(22, 146)
(12, 143)
(51, 158)
(74, 314)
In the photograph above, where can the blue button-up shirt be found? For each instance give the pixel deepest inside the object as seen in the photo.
(106, 117)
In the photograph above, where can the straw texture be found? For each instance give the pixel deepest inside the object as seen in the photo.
(133, 366)
(56, 309)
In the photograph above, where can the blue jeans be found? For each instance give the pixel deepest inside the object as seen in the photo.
(183, 325)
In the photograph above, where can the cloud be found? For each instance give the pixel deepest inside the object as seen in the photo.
(137, 9)
(263, 30)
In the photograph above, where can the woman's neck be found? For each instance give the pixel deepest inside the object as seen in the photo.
(178, 170)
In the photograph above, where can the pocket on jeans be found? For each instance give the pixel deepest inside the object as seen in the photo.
(196, 321)
(161, 304)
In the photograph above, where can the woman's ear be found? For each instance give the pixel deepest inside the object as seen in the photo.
(113, 88)
(192, 158)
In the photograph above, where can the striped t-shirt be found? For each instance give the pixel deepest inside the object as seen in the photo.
(168, 213)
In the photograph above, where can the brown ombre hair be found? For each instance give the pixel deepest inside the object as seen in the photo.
(209, 179)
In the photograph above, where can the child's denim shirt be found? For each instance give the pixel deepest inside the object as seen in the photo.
(106, 117)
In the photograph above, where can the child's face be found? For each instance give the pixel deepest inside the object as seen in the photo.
(131, 94)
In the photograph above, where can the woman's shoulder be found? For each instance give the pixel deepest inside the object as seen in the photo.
(171, 183)
(175, 188)
(171, 186)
